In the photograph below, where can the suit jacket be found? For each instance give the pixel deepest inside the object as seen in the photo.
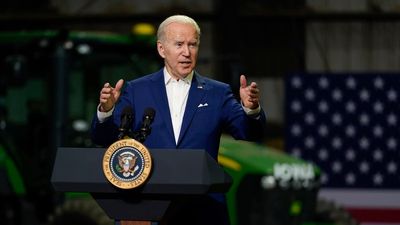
(211, 109)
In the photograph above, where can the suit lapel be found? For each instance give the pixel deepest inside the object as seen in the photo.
(196, 94)
(160, 95)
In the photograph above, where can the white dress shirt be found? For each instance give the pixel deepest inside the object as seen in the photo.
(177, 93)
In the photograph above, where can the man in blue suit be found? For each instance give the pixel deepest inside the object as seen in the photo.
(192, 111)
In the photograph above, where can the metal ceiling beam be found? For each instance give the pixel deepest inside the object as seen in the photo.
(32, 21)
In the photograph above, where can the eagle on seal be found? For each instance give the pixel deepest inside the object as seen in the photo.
(127, 164)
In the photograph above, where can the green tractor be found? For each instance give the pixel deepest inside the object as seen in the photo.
(49, 82)
(271, 187)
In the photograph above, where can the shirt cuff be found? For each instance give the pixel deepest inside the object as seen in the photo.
(252, 112)
(102, 116)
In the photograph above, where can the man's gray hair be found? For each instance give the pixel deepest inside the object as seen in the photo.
(182, 19)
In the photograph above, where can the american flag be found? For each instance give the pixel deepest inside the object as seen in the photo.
(348, 124)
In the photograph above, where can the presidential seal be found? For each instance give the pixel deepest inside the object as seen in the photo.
(127, 163)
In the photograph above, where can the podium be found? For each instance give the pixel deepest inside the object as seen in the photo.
(176, 175)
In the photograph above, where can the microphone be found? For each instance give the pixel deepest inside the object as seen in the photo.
(148, 118)
(145, 130)
(126, 121)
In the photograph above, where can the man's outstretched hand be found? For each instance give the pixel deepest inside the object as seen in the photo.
(250, 95)
(109, 95)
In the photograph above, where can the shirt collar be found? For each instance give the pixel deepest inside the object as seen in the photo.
(168, 77)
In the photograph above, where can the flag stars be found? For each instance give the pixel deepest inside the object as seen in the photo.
(350, 178)
(296, 130)
(309, 94)
(351, 83)
(391, 119)
(336, 167)
(392, 167)
(323, 154)
(391, 95)
(377, 179)
(337, 119)
(378, 83)
(364, 119)
(323, 83)
(350, 131)
(378, 107)
(378, 155)
(364, 143)
(309, 118)
(296, 106)
(364, 167)
(309, 142)
(323, 107)
(350, 107)
(391, 143)
(324, 178)
(350, 155)
(350, 128)
(337, 142)
(364, 95)
(337, 95)
(296, 82)
(323, 130)
(377, 131)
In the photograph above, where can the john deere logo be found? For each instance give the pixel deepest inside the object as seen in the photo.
(127, 164)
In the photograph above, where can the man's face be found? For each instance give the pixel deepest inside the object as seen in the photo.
(179, 49)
